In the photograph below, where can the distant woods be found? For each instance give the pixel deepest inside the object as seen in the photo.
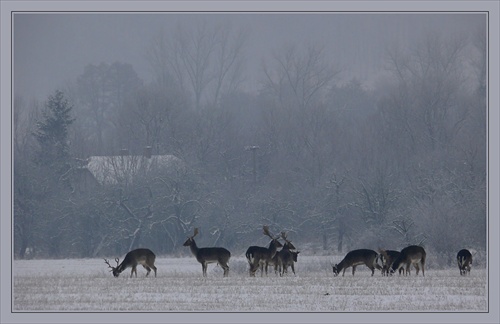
(337, 165)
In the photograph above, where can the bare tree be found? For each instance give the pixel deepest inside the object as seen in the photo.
(300, 78)
(102, 91)
(204, 60)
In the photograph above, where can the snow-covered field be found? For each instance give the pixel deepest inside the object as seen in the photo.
(84, 285)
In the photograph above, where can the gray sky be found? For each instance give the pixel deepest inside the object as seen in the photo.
(51, 50)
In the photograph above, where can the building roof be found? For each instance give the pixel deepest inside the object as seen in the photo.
(123, 169)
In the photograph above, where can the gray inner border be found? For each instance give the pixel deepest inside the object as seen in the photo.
(7, 6)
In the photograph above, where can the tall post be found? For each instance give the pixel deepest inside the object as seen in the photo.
(254, 149)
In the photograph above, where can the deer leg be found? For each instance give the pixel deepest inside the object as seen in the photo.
(204, 269)
(148, 269)
(417, 267)
(353, 269)
(224, 266)
(293, 269)
(154, 269)
(252, 270)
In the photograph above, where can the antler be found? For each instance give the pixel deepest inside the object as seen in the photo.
(266, 231)
(287, 242)
(109, 265)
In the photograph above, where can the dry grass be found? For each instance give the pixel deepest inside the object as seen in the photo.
(86, 285)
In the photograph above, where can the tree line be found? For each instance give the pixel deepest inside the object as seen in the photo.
(336, 165)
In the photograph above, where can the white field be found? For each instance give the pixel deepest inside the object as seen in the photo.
(86, 285)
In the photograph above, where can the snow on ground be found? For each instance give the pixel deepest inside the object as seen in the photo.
(85, 285)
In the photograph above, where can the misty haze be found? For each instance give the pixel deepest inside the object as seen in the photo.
(346, 131)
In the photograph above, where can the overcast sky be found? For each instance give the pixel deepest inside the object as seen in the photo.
(51, 50)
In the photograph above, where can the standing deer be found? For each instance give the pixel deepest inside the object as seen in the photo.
(355, 258)
(285, 258)
(464, 260)
(412, 254)
(388, 257)
(146, 257)
(208, 255)
(261, 256)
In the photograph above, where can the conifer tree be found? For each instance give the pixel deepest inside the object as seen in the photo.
(51, 134)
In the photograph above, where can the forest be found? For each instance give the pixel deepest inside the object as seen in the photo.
(337, 165)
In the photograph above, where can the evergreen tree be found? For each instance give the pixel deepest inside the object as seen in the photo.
(52, 135)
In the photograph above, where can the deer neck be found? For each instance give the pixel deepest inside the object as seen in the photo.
(194, 248)
(272, 248)
(122, 266)
(341, 265)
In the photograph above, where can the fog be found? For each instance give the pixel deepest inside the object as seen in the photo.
(343, 130)
(52, 49)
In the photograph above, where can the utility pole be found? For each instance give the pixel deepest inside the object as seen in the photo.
(254, 149)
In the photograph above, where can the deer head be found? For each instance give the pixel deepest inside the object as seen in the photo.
(190, 239)
(115, 271)
(288, 244)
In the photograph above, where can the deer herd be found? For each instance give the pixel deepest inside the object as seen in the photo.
(260, 258)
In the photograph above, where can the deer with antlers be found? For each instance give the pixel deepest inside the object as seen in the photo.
(208, 255)
(146, 257)
(261, 257)
(285, 257)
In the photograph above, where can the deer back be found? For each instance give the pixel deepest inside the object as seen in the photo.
(138, 256)
(408, 255)
(464, 258)
(213, 254)
(256, 254)
(357, 257)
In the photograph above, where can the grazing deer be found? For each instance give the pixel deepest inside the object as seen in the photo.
(388, 257)
(146, 257)
(464, 260)
(261, 256)
(355, 258)
(285, 258)
(412, 254)
(208, 255)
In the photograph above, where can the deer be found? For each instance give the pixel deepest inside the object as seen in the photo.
(412, 254)
(388, 257)
(290, 262)
(261, 256)
(146, 257)
(355, 258)
(464, 260)
(285, 258)
(208, 255)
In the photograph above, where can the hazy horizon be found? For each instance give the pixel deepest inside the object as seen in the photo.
(51, 49)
